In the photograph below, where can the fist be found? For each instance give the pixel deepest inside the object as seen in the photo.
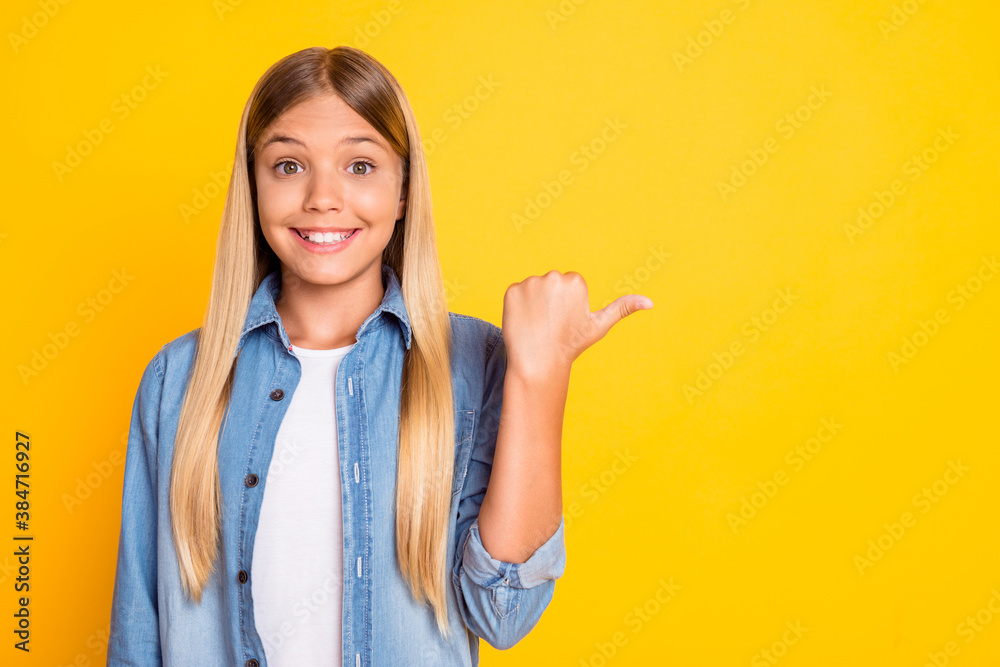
(547, 321)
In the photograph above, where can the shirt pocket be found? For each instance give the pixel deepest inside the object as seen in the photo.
(464, 422)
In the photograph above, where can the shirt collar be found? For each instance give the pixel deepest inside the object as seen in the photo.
(262, 307)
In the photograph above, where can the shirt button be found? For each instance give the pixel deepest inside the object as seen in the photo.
(252, 662)
(251, 480)
(277, 395)
(242, 576)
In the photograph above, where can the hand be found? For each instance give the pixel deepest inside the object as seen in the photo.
(547, 321)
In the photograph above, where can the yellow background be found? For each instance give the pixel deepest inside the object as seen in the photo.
(696, 90)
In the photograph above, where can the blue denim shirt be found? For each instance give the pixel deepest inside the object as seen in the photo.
(153, 623)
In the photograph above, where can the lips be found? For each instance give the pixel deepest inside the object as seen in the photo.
(331, 246)
(324, 230)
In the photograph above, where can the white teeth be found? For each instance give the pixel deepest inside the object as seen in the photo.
(328, 237)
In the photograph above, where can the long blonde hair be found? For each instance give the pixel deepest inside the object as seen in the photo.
(243, 259)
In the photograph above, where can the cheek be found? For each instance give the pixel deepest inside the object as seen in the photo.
(377, 204)
(269, 202)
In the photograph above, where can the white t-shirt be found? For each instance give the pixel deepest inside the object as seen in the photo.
(298, 559)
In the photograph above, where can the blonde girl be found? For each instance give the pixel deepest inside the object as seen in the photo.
(334, 468)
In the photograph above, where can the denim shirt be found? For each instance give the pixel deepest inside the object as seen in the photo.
(153, 623)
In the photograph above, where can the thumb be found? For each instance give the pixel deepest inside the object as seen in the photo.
(619, 309)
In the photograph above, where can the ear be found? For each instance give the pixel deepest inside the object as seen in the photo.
(401, 208)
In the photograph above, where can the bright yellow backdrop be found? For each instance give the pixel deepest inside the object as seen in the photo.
(714, 154)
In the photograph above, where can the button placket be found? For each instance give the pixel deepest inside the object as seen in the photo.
(251, 481)
(355, 403)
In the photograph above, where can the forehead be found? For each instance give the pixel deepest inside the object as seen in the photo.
(322, 122)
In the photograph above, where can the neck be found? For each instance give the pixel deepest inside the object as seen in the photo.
(324, 317)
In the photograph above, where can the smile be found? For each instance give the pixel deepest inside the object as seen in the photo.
(316, 242)
(325, 238)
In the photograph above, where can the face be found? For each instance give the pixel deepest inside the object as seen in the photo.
(324, 173)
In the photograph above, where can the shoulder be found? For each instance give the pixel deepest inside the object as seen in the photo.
(478, 359)
(473, 334)
(165, 376)
(171, 363)
(180, 351)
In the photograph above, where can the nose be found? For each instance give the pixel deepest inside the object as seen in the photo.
(324, 191)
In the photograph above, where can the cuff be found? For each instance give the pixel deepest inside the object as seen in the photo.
(547, 562)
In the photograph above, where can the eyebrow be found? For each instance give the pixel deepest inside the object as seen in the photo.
(346, 141)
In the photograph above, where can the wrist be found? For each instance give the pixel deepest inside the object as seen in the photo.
(540, 372)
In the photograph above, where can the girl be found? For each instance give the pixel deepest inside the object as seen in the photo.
(322, 472)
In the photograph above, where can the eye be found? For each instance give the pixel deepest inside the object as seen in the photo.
(362, 168)
(284, 171)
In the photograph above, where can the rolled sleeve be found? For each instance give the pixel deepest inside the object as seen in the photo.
(547, 562)
(499, 601)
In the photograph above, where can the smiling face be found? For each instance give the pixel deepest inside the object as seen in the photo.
(323, 172)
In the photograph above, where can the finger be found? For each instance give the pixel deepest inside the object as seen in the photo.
(619, 309)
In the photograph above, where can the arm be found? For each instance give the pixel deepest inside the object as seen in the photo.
(547, 324)
(523, 504)
(500, 600)
(135, 628)
(516, 490)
